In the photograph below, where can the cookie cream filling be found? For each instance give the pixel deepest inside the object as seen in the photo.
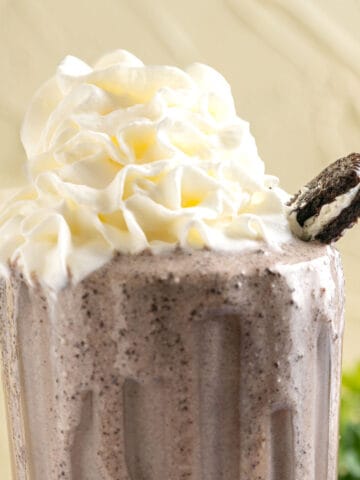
(329, 212)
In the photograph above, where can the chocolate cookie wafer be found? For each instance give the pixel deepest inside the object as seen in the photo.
(325, 207)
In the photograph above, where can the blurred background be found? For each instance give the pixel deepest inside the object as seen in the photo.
(293, 66)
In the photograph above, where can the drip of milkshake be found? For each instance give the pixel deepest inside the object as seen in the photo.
(159, 319)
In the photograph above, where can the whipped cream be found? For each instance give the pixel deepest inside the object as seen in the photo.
(126, 157)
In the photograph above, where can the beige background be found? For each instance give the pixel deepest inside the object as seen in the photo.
(293, 65)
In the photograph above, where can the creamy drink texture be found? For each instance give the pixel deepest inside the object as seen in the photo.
(204, 366)
(158, 319)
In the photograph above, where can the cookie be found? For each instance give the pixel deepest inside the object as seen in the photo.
(329, 204)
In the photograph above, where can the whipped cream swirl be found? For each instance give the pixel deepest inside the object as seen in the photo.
(126, 157)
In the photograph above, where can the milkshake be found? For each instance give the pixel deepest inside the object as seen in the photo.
(201, 366)
(159, 320)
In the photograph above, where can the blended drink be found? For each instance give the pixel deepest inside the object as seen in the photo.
(159, 321)
(198, 366)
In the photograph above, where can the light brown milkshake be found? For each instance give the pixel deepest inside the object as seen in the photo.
(159, 319)
(197, 366)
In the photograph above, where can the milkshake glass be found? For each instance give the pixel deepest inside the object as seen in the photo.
(198, 366)
(159, 321)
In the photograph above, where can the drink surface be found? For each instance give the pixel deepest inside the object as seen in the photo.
(197, 366)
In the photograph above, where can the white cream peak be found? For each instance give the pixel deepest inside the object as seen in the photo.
(126, 157)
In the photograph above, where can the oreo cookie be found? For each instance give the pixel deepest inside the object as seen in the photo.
(328, 205)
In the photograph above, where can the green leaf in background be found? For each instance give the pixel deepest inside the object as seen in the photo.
(349, 460)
